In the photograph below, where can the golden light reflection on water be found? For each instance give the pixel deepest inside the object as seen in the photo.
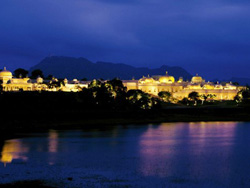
(53, 141)
(13, 149)
(162, 146)
(16, 149)
(52, 146)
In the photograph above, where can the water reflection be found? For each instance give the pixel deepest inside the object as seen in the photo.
(185, 149)
(13, 149)
(52, 146)
(20, 148)
(53, 141)
(215, 154)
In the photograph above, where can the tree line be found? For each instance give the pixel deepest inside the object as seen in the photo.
(23, 73)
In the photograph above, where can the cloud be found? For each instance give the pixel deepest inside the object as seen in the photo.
(119, 1)
(137, 32)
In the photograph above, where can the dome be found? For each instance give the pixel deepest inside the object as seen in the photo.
(147, 80)
(39, 80)
(218, 86)
(180, 80)
(208, 85)
(65, 80)
(230, 86)
(166, 79)
(5, 74)
(197, 79)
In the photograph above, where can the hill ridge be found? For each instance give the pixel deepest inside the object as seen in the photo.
(71, 67)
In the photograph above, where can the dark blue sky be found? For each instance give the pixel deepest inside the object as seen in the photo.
(211, 38)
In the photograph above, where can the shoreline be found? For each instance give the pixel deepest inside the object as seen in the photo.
(44, 120)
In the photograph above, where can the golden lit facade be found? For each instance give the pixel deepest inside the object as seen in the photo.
(9, 83)
(153, 85)
(181, 89)
(14, 84)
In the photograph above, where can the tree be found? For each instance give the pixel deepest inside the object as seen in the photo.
(117, 84)
(117, 88)
(36, 73)
(95, 83)
(20, 73)
(86, 96)
(194, 96)
(145, 101)
(1, 86)
(184, 101)
(50, 77)
(134, 95)
(205, 97)
(141, 100)
(236, 83)
(242, 96)
(211, 96)
(102, 96)
(245, 94)
(165, 96)
(54, 83)
(237, 98)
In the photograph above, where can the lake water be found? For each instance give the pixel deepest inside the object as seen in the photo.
(211, 154)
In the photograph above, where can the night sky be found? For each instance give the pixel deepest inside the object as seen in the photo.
(209, 37)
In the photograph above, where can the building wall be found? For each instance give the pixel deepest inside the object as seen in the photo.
(17, 87)
(149, 85)
(130, 84)
(182, 90)
(220, 94)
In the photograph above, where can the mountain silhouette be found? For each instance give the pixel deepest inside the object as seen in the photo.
(70, 68)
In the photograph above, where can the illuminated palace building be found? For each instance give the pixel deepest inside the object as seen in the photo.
(181, 89)
(152, 85)
(26, 84)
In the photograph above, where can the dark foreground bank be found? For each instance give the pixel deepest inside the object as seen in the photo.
(63, 119)
(30, 111)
